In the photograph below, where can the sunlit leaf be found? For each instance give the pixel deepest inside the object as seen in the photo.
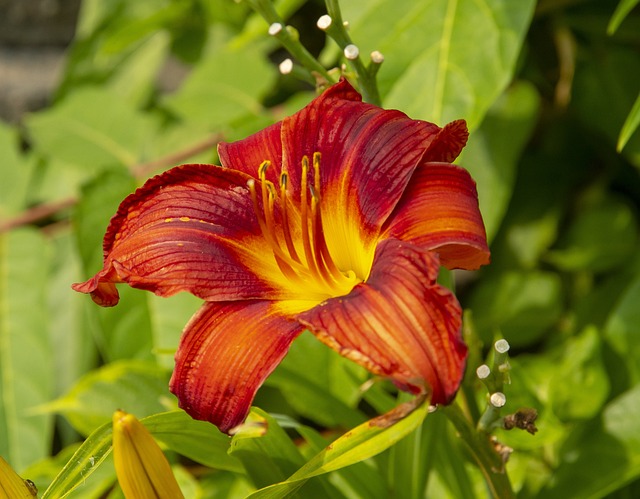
(16, 171)
(622, 10)
(26, 361)
(444, 60)
(630, 125)
(197, 440)
(136, 387)
(93, 451)
(231, 84)
(92, 128)
(583, 386)
(363, 442)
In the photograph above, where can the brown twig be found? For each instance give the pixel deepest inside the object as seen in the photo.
(141, 170)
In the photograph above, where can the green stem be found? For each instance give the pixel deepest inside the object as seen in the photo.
(366, 77)
(287, 36)
(483, 451)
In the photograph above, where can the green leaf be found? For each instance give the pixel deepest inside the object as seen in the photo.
(361, 479)
(630, 125)
(581, 386)
(622, 10)
(223, 88)
(491, 159)
(92, 128)
(75, 349)
(137, 74)
(16, 171)
(602, 236)
(520, 305)
(91, 454)
(26, 369)
(319, 383)
(443, 59)
(621, 331)
(363, 442)
(602, 456)
(265, 450)
(197, 440)
(136, 387)
(178, 431)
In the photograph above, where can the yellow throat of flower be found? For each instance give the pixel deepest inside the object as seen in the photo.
(297, 236)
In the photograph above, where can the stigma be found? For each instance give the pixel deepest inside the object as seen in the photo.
(294, 230)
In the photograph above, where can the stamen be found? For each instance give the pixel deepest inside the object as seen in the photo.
(281, 259)
(284, 201)
(306, 243)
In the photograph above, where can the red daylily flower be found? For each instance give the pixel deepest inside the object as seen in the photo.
(334, 220)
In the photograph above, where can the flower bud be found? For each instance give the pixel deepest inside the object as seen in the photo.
(141, 467)
(12, 486)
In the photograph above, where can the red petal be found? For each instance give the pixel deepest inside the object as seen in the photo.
(449, 143)
(439, 211)
(226, 352)
(400, 323)
(248, 154)
(192, 229)
(368, 155)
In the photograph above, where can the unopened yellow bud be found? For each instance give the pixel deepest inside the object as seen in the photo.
(142, 469)
(12, 486)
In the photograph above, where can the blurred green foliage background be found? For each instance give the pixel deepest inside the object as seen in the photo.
(548, 89)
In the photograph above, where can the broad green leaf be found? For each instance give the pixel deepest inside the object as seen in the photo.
(603, 235)
(363, 442)
(491, 159)
(520, 305)
(75, 349)
(582, 386)
(16, 171)
(602, 456)
(223, 88)
(136, 387)
(26, 366)
(225, 484)
(622, 10)
(630, 125)
(137, 74)
(92, 128)
(265, 450)
(443, 59)
(197, 440)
